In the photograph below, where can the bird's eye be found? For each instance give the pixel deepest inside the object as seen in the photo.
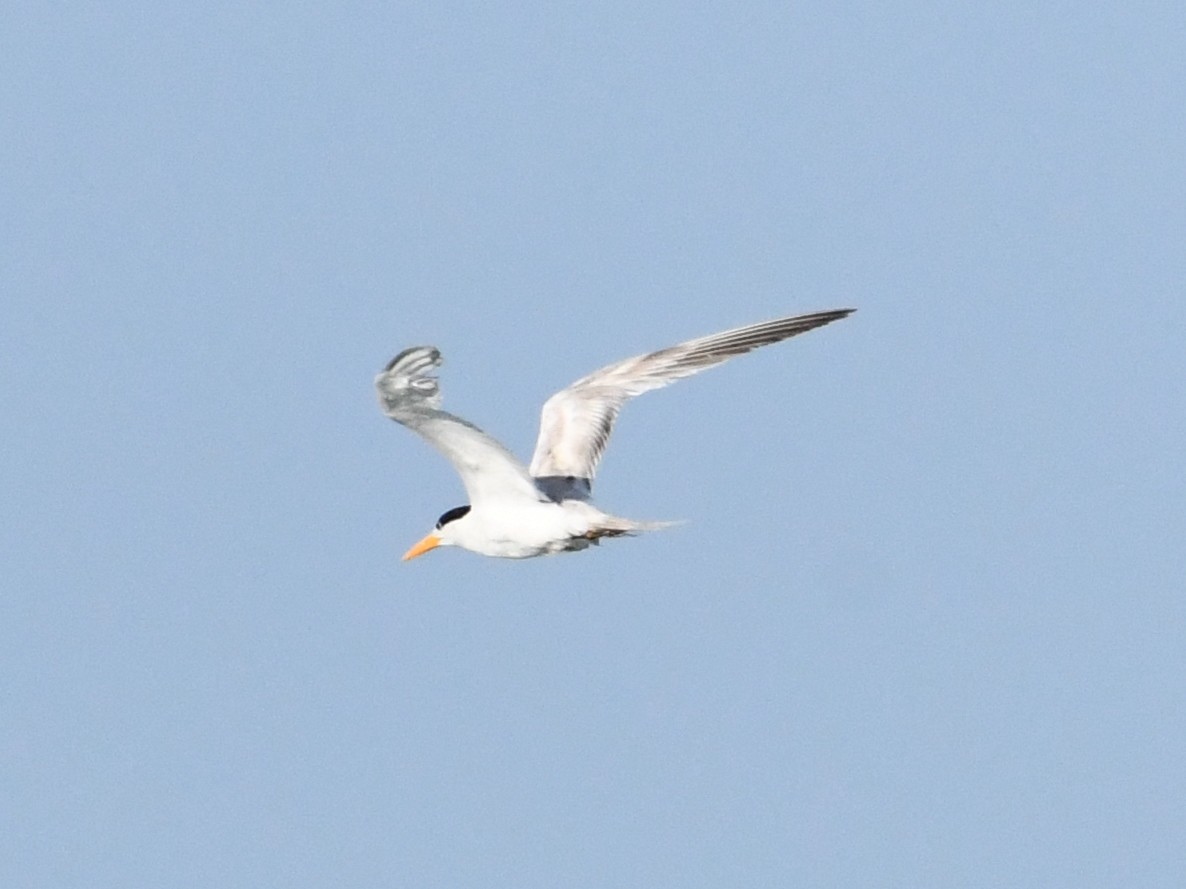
(451, 516)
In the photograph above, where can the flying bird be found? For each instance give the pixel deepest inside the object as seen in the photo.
(517, 512)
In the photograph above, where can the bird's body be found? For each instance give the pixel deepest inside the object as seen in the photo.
(517, 512)
(520, 529)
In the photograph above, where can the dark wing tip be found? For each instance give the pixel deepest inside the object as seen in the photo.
(832, 315)
(803, 323)
(826, 316)
(740, 340)
(434, 356)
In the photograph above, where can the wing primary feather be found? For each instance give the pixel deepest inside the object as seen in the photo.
(576, 422)
(415, 359)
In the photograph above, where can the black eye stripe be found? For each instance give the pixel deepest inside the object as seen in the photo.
(452, 515)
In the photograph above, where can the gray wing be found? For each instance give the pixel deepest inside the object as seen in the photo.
(410, 394)
(576, 422)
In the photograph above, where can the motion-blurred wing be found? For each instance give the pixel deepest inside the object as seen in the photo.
(410, 394)
(576, 422)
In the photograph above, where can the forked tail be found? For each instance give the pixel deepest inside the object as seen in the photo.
(615, 526)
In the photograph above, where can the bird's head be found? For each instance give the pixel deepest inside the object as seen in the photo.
(444, 534)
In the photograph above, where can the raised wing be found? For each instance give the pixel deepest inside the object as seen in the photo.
(410, 394)
(576, 422)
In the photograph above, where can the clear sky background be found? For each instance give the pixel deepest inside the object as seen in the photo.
(926, 623)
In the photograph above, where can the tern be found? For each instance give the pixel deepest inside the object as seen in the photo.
(517, 512)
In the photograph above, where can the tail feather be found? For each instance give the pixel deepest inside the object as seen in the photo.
(615, 526)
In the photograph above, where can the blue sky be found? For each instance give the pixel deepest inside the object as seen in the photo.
(924, 625)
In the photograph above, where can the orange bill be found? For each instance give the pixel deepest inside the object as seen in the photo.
(429, 542)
